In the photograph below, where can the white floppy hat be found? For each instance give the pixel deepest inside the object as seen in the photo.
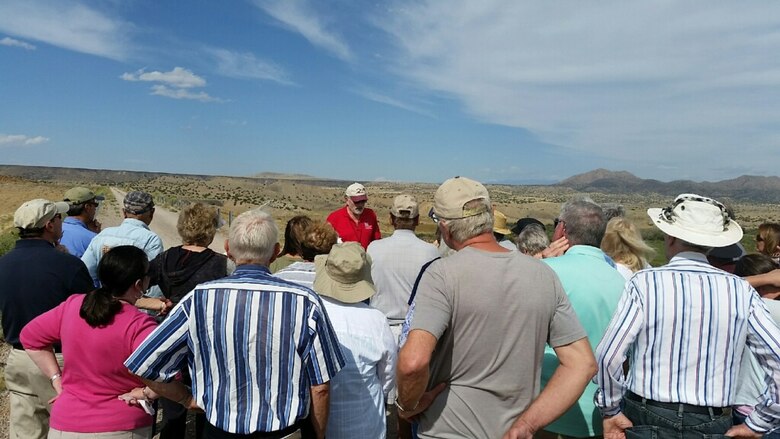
(698, 220)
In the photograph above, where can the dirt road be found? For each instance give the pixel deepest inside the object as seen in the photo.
(163, 224)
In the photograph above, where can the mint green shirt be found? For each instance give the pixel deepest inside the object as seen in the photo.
(594, 287)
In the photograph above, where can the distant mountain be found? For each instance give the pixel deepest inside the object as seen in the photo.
(746, 187)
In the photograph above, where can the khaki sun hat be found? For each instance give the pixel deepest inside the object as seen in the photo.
(34, 214)
(454, 193)
(344, 274)
(499, 223)
(405, 206)
(698, 220)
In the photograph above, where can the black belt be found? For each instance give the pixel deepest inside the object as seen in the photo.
(677, 406)
(211, 431)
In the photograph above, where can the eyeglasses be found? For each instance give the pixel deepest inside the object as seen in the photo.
(556, 221)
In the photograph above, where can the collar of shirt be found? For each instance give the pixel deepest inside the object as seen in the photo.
(403, 232)
(251, 270)
(74, 221)
(689, 256)
(33, 242)
(135, 222)
(589, 250)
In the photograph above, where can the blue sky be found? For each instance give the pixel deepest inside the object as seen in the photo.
(393, 90)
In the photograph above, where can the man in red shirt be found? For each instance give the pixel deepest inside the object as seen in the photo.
(354, 221)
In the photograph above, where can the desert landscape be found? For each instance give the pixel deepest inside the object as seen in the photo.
(754, 199)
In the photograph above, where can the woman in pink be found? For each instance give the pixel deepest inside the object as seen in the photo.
(97, 331)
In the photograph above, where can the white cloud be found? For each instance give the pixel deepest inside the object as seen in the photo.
(179, 77)
(299, 16)
(176, 84)
(247, 66)
(21, 140)
(10, 42)
(387, 100)
(70, 25)
(182, 93)
(645, 82)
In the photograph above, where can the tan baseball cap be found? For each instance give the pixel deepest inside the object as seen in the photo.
(34, 214)
(454, 193)
(405, 206)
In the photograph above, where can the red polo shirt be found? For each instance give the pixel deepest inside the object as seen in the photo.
(364, 231)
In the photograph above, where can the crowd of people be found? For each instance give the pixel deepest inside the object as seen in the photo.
(496, 330)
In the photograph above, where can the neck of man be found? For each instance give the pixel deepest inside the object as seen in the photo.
(485, 242)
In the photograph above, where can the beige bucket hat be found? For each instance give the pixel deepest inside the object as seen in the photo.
(344, 274)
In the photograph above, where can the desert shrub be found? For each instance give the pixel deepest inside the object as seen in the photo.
(7, 241)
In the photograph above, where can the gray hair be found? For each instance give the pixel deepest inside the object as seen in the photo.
(584, 221)
(695, 247)
(532, 239)
(252, 237)
(463, 229)
(613, 210)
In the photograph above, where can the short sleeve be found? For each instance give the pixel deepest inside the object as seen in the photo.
(433, 304)
(43, 331)
(565, 327)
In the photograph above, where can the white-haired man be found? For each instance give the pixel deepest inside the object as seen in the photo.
(354, 221)
(482, 318)
(261, 350)
(686, 325)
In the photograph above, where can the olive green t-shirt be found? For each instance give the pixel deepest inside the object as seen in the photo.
(492, 314)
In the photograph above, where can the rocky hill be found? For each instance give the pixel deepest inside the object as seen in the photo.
(746, 187)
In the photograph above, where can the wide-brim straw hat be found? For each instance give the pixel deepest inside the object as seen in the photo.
(697, 220)
(500, 223)
(344, 274)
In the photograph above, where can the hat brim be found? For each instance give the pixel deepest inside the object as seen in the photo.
(326, 286)
(61, 206)
(731, 235)
(502, 231)
(358, 198)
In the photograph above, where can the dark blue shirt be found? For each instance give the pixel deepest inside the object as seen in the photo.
(34, 278)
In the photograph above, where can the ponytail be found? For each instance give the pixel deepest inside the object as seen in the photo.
(99, 307)
(118, 271)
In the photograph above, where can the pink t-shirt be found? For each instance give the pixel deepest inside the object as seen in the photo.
(94, 374)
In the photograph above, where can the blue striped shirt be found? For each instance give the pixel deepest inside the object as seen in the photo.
(686, 325)
(254, 344)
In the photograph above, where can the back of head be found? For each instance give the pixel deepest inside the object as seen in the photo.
(584, 222)
(753, 264)
(463, 206)
(405, 212)
(138, 204)
(197, 224)
(769, 233)
(318, 239)
(293, 235)
(623, 243)
(532, 239)
(252, 238)
(118, 270)
(613, 210)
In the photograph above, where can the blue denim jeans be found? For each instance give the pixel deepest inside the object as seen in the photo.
(651, 422)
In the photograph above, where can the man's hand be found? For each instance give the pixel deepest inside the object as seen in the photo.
(743, 431)
(556, 248)
(425, 401)
(519, 430)
(615, 426)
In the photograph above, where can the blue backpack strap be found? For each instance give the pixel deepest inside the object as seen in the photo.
(419, 276)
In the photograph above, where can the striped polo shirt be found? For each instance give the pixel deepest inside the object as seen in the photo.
(685, 326)
(254, 344)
